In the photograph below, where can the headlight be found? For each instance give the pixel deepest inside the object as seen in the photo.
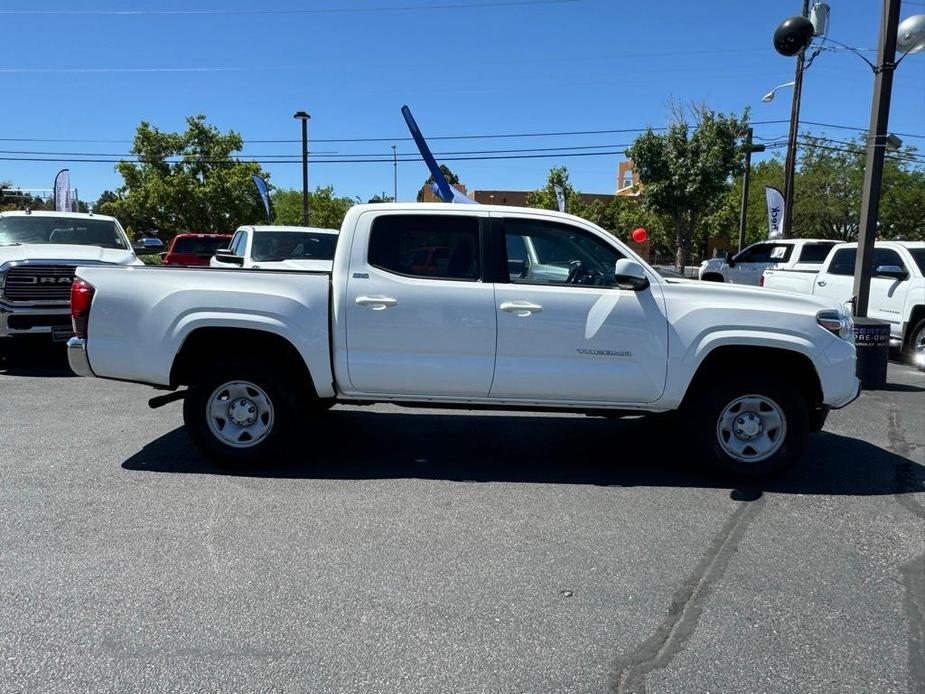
(836, 322)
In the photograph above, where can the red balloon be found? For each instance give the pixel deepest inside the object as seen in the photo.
(640, 235)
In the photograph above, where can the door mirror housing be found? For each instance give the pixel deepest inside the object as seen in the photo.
(730, 259)
(628, 274)
(894, 271)
(226, 256)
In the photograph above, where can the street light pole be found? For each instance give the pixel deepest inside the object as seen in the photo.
(791, 162)
(746, 176)
(876, 144)
(304, 117)
(395, 174)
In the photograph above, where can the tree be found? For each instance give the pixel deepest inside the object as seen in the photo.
(451, 178)
(324, 209)
(829, 185)
(106, 197)
(686, 171)
(380, 197)
(187, 181)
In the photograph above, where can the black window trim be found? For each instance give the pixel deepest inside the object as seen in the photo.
(483, 236)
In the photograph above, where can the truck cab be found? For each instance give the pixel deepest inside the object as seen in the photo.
(747, 266)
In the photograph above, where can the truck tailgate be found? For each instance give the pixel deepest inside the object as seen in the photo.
(140, 316)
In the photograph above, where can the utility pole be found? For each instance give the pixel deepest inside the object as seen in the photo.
(876, 144)
(304, 117)
(395, 174)
(791, 163)
(743, 214)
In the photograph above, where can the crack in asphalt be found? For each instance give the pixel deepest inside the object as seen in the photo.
(913, 572)
(687, 605)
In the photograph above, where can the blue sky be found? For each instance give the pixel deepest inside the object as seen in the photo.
(480, 67)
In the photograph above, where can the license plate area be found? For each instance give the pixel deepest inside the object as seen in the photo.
(61, 333)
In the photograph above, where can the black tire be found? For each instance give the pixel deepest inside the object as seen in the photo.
(268, 385)
(706, 407)
(916, 342)
(713, 277)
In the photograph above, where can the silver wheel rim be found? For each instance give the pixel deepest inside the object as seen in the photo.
(240, 414)
(918, 349)
(751, 428)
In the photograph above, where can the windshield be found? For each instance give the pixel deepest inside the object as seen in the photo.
(61, 230)
(918, 255)
(199, 246)
(296, 245)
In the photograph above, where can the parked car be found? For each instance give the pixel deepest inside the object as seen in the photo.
(897, 288)
(148, 245)
(194, 249)
(38, 254)
(279, 248)
(746, 266)
(753, 371)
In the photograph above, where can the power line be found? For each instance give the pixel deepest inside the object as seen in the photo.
(326, 10)
(562, 133)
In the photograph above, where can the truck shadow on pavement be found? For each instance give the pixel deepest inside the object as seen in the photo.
(350, 444)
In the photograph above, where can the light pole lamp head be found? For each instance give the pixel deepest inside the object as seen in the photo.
(769, 97)
(793, 35)
(910, 36)
(301, 115)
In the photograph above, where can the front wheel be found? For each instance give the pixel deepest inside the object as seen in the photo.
(241, 414)
(751, 429)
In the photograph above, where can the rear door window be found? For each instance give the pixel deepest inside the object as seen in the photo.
(428, 246)
(815, 252)
(844, 259)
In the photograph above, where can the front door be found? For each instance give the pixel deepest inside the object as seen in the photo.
(420, 321)
(565, 333)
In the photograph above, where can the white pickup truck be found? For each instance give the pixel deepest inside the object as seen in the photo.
(38, 254)
(470, 307)
(897, 288)
(746, 266)
(278, 248)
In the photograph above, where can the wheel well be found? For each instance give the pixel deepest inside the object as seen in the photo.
(206, 344)
(918, 313)
(790, 365)
(712, 277)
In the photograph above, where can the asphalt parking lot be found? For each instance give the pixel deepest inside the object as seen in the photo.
(421, 551)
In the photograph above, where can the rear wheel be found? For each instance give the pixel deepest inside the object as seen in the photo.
(752, 428)
(241, 414)
(915, 351)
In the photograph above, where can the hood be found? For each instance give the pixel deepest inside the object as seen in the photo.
(38, 252)
(296, 264)
(721, 294)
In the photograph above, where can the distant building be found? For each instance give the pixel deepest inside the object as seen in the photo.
(627, 179)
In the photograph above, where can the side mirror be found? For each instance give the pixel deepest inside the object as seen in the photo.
(894, 271)
(226, 256)
(730, 259)
(629, 274)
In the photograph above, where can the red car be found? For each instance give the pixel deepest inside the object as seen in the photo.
(195, 249)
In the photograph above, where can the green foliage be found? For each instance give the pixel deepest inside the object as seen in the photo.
(154, 259)
(380, 197)
(685, 172)
(324, 209)
(829, 186)
(451, 178)
(186, 181)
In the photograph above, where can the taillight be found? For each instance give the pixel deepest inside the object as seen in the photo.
(81, 298)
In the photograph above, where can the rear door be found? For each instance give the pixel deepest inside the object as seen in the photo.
(565, 333)
(419, 319)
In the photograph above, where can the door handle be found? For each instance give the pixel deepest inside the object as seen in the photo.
(821, 283)
(521, 308)
(377, 302)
